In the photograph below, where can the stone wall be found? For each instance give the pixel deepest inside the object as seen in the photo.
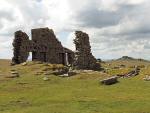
(47, 46)
(20, 44)
(44, 46)
(83, 56)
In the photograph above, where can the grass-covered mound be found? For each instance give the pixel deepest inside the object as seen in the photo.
(77, 94)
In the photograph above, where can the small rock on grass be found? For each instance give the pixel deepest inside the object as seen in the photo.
(147, 78)
(45, 78)
(110, 80)
(38, 73)
(24, 64)
(14, 74)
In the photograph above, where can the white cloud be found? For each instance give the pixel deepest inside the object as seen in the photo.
(115, 27)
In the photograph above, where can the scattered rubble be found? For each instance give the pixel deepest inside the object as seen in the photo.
(66, 72)
(64, 75)
(22, 83)
(135, 72)
(47, 73)
(14, 74)
(60, 71)
(39, 73)
(146, 78)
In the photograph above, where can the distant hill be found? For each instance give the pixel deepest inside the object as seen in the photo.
(127, 58)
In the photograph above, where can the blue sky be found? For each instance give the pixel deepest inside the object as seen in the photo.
(116, 28)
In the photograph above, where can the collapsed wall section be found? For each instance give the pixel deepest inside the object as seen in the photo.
(83, 56)
(20, 47)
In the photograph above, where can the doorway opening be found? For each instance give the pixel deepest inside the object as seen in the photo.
(30, 56)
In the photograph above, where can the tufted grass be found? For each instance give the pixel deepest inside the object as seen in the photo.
(77, 94)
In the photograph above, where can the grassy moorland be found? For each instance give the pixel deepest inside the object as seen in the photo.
(77, 94)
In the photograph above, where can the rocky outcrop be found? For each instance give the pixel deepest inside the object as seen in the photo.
(83, 56)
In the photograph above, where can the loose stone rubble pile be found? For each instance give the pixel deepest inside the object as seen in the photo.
(135, 72)
(83, 56)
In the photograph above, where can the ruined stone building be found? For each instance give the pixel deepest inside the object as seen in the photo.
(46, 47)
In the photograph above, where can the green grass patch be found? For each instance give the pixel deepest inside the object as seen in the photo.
(77, 94)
